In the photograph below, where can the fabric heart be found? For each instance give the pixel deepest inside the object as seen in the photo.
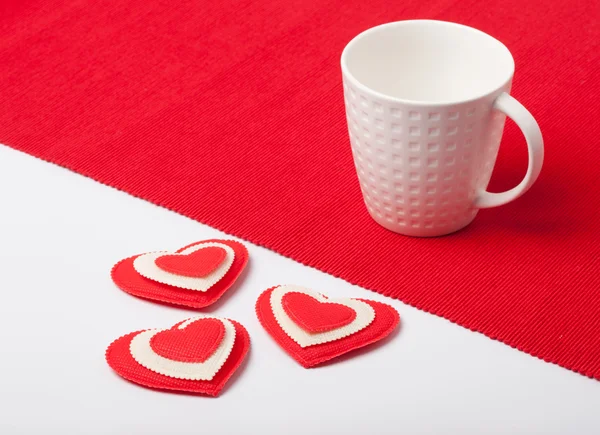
(198, 264)
(196, 343)
(364, 315)
(189, 357)
(141, 276)
(146, 265)
(315, 316)
(373, 321)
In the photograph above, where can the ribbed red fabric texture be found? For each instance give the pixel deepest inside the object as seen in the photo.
(231, 112)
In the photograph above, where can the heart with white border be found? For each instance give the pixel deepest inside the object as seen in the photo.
(194, 276)
(313, 328)
(197, 355)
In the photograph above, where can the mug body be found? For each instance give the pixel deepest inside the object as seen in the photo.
(424, 135)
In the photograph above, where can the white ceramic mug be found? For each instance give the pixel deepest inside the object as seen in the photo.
(426, 103)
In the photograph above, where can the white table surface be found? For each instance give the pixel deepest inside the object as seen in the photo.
(60, 233)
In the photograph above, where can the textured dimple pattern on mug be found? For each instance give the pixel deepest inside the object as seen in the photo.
(420, 168)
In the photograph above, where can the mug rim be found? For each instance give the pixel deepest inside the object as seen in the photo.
(355, 82)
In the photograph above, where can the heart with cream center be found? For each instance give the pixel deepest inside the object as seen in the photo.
(313, 328)
(194, 276)
(197, 355)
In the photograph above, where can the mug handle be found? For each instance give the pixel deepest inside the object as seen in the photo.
(535, 146)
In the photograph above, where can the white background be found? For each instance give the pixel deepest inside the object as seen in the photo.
(60, 233)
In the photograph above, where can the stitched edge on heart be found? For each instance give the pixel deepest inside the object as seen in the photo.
(301, 320)
(189, 265)
(143, 354)
(119, 358)
(365, 314)
(145, 265)
(385, 322)
(174, 345)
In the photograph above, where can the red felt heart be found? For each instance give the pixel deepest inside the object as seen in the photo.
(198, 264)
(119, 358)
(314, 316)
(194, 344)
(385, 321)
(127, 279)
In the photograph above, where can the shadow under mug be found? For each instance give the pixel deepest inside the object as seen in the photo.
(426, 103)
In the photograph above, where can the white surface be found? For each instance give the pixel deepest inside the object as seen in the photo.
(60, 233)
